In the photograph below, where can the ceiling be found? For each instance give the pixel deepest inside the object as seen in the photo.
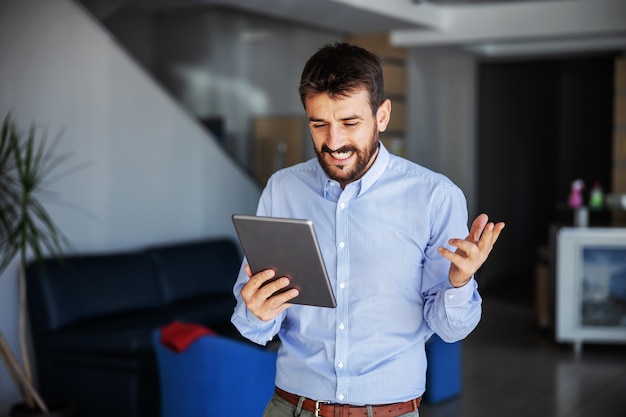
(485, 27)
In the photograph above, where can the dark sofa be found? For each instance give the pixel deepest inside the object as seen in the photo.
(93, 317)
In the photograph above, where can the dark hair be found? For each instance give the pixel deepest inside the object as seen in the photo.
(340, 69)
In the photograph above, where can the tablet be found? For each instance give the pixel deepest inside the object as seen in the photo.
(289, 247)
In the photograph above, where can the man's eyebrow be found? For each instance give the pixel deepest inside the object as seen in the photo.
(353, 117)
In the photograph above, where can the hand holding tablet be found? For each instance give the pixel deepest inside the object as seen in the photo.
(290, 248)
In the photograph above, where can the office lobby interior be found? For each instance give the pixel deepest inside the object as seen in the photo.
(175, 113)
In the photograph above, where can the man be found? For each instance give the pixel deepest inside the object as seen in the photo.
(388, 231)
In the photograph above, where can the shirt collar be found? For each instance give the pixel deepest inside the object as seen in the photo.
(330, 187)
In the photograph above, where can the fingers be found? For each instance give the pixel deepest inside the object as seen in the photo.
(484, 231)
(486, 243)
(490, 236)
(263, 285)
(259, 294)
(258, 280)
(473, 251)
(462, 268)
(477, 227)
(457, 258)
(484, 238)
(496, 232)
(497, 229)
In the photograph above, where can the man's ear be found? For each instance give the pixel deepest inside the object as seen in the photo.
(383, 114)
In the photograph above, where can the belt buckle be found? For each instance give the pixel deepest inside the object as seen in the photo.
(317, 406)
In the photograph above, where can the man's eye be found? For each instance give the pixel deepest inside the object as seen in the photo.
(350, 123)
(318, 126)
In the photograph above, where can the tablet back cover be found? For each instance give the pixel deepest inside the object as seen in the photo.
(289, 247)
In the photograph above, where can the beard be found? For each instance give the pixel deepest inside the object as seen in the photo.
(346, 174)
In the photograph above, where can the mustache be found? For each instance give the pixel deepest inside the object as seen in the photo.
(342, 149)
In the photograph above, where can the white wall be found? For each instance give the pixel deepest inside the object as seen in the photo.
(441, 115)
(223, 62)
(151, 175)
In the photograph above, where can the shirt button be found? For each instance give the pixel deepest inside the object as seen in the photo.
(342, 205)
(342, 285)
(341, 244)
(340, 397)
(340, 365)
(341, 326)
(451, 297)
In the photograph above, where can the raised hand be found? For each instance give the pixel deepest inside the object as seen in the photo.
(471, 252)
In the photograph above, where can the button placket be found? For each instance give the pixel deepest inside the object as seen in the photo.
(343, 273)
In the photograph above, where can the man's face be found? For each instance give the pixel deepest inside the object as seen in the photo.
(345, 133)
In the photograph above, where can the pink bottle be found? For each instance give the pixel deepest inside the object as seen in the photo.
(575, 199)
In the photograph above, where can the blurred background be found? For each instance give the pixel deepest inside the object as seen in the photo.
(177, 111)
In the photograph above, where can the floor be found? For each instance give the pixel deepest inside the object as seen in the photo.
(513, 368)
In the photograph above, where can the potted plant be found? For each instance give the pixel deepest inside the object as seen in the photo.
(26, 162)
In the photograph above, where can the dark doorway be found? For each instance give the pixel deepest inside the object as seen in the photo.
(541, 125)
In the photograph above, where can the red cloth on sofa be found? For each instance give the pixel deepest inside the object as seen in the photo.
(177, 335)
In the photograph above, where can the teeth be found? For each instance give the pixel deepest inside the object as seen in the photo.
(342, 155)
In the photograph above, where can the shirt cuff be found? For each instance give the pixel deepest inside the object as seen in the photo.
(255, 321)
(456, 296)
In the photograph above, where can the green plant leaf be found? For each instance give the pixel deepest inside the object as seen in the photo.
(26, 163)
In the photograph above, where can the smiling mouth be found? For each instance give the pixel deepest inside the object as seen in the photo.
(341, 155)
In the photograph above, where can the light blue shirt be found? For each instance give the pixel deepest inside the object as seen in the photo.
(379, 238)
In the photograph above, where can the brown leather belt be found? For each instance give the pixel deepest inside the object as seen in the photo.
(325, 409)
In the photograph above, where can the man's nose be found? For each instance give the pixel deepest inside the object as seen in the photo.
(335, 137)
